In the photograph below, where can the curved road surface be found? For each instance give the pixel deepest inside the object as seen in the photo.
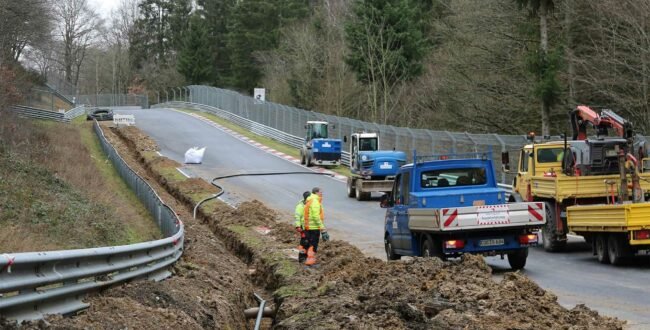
(575, 276)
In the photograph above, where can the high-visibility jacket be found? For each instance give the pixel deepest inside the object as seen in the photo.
(299, 214)
(313, 213)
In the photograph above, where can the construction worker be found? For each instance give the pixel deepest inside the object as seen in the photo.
(300, 226)
(313, 224)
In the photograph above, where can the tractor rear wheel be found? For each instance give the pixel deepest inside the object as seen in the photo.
(351, 190)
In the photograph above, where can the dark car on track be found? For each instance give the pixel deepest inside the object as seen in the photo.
(99, 114)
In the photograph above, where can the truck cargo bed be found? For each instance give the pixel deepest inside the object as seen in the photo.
(615, 217)
(563, 187)
(477, 217)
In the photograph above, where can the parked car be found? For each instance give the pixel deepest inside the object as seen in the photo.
(100, 114)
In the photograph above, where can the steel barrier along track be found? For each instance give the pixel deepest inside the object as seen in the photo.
(36, 113)
(34, 284)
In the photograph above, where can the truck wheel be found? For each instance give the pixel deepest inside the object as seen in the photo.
(601, 248)
(308, 160)
(390, 253)
(351, 192)
(517, 259)
(302, 158)
(430, 249)
(550, 242)
(617, 249)
(362, 196)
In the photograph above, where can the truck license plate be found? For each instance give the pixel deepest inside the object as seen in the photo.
(491, 242)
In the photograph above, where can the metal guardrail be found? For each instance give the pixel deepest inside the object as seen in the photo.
(33, 284)
(266, 131)
(36, 113)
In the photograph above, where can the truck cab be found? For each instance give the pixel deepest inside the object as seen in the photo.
(446, 207)
(318, 148)
(372, 169)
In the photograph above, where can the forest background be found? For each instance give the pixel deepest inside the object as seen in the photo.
(498, 66)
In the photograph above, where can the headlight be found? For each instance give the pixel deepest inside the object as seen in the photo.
(364, 157)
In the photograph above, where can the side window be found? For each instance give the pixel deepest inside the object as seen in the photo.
(397, 189)
(523, 161)
(405, 187)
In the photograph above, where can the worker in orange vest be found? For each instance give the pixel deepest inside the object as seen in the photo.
(314, 224)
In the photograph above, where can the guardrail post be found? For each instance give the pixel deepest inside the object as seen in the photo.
(473, 141)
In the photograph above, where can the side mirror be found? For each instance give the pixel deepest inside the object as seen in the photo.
(385, 201)
(345, 138)
(306, 126)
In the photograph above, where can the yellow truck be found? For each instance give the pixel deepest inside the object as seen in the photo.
(566, 173)
(617, 231)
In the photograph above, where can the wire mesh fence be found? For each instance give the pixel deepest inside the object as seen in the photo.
(112, 100)
(292, 121)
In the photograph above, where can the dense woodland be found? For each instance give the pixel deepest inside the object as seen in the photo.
(498, 66)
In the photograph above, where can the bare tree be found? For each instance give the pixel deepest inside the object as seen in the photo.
(78, 29)
(22, 23)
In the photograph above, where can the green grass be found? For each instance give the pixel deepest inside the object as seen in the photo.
(113, 180)
(281, 147)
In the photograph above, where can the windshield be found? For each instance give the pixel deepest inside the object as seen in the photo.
(319, 131)
(453, 177)
(368, 144)
(550, 155)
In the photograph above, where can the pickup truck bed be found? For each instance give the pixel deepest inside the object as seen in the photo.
(501, 216)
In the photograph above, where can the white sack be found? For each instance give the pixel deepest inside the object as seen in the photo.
(194, 155)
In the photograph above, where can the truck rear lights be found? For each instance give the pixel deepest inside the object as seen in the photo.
(454, 244)
(642, 234)
(528, 239)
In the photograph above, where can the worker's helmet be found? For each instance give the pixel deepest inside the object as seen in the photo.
(305, 195)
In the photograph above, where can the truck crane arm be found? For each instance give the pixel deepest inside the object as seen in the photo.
(583, 115)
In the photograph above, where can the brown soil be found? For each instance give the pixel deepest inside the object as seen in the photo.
(346, 289)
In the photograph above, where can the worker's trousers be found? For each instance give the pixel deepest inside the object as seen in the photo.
(313, 236)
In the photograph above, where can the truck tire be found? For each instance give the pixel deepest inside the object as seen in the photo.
(601, 248)
(308, 161)
(550, 242)
(517, 259)
(390, 253)
(362, 196)
(430, 249)
(351, 192)
(302, 158)
(617, 249)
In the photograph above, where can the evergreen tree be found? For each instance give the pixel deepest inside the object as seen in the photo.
(218, 14)
(386, 38)
(254, 27)
(544, 65)
(157, 34)
(195, 58)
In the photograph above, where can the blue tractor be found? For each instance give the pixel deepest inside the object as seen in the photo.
(318, 148)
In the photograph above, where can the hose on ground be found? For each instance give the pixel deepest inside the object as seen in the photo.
(221, 190)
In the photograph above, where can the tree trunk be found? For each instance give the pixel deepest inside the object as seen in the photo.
(543, 42)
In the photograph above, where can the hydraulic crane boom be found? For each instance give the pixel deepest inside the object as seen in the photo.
(584, 115)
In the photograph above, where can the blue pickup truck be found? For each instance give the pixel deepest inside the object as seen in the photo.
(445, 206)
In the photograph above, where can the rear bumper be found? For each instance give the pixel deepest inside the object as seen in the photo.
(326, 162)
(488, 245)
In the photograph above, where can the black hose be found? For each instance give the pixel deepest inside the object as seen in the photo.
(221, 190)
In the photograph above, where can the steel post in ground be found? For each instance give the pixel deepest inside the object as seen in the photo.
(453, 141)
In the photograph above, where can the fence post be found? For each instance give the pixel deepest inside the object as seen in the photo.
(503, 149)
(453, 141)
